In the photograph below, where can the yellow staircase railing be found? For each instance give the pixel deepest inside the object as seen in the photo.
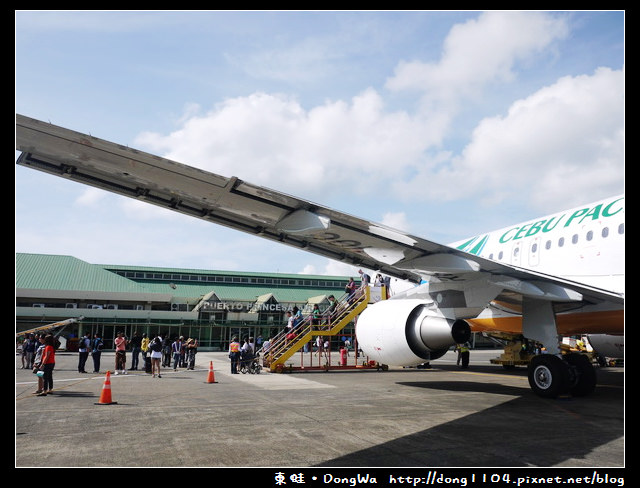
(331, 323)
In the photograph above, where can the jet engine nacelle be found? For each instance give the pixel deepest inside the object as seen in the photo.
(407, 332)
(610, 346)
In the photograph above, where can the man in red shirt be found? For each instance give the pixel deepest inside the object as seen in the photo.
(47, 364)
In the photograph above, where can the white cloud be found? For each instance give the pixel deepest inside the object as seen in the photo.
(91, 196)
(571, 131)
(396, 220)
(272, 141)
(567, 135)
(479, 58)
(480, 51)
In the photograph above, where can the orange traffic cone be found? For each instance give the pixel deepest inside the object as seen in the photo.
(105, 396)
(211, 377)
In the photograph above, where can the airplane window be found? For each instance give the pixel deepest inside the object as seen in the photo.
(534, 248)
(561, 242)
(515, 251)
(574, 239)
(589, 235)
(491, 256)
(547, 245)
(605, 232)
(621, 229)
(500, 255)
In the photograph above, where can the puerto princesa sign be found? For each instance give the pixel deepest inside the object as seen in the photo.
(252, 307)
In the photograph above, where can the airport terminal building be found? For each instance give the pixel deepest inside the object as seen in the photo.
(211, 306)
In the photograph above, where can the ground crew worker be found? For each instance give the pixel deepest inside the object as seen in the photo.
(464, 354)
(234, 354)
(144, 345)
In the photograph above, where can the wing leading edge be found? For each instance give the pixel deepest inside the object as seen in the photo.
(279, 217)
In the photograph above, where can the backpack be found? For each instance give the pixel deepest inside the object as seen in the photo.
(156, 346)
(99, 345)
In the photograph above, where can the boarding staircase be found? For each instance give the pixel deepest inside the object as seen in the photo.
(330, 324)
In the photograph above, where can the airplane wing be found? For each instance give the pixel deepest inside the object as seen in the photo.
(464, 280)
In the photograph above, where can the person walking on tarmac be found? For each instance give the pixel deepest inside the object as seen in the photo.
(176, 349)
(155, 353)
(166, 351)
(47, 365)
(37, 363)
(84, 346)
(136, 349)
(191, 350)
(183, 362)
(96, 351)
(144, 346)
(463, 355)
(234, 354)
(120, 343)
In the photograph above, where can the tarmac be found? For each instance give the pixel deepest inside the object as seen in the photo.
(483, 416)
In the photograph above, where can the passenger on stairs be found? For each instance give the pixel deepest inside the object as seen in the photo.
(315, 315)
(329, 313)
(350, 289)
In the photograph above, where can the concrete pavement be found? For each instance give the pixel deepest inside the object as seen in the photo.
(444, 416)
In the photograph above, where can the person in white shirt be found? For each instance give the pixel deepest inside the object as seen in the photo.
(155, 347)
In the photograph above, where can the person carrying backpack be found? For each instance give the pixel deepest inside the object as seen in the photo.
(191, 350)
(84, 346)
(96, 351)
(156, 355)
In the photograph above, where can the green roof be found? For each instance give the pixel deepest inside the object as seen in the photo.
(55, 272)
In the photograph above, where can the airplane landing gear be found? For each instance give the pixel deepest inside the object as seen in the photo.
(550, 375)
(583, 374)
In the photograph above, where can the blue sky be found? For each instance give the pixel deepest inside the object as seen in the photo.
(443, 124)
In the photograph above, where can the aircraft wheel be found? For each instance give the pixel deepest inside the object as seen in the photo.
(585, 375)
(548, 376)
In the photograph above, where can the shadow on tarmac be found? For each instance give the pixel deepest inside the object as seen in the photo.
(74, 394)
(525, 431)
